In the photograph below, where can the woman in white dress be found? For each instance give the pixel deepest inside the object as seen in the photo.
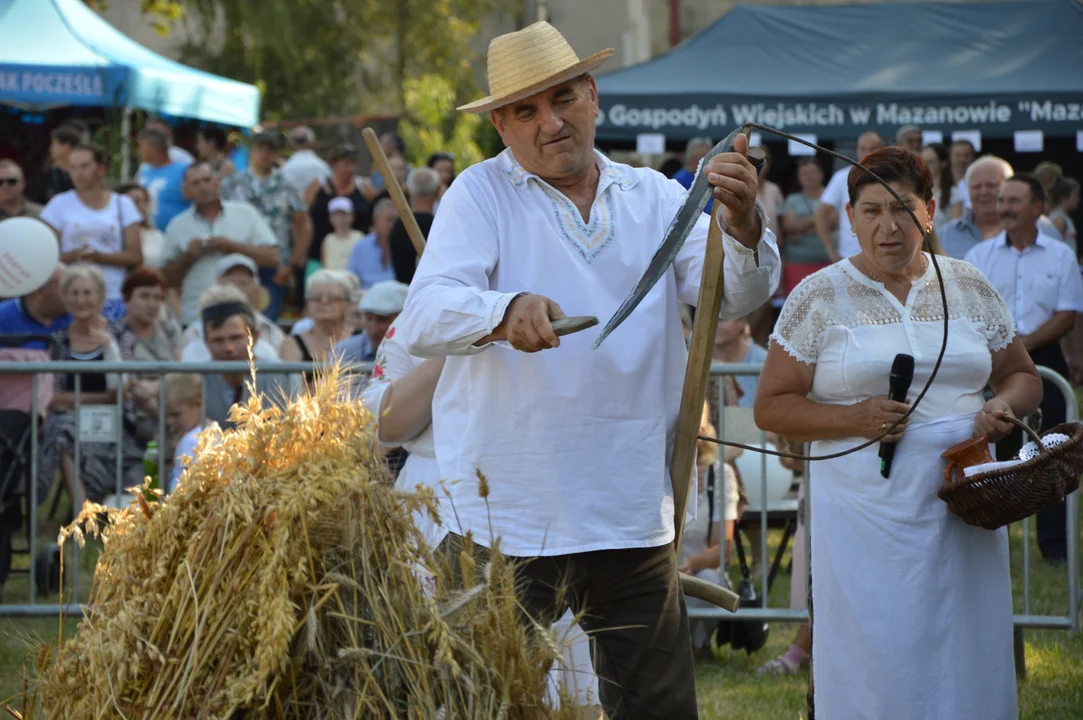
(400, 395)
(912, 607)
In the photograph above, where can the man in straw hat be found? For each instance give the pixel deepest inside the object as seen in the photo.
(574, 442)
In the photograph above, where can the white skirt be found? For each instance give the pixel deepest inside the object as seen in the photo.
(912, 608)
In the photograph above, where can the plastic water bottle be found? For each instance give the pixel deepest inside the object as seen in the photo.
(150, 464)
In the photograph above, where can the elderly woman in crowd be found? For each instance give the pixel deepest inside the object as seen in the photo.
(400, 397)
(145, 336)
(327, 294)
(913, 610)
(86, 339)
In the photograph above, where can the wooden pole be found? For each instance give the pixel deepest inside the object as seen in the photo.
(397, 196)
(696, 375)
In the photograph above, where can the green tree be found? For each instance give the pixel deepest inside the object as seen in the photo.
(161, 13)
(316, 58)
(432, 124)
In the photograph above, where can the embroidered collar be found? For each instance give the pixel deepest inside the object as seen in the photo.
(611, 173)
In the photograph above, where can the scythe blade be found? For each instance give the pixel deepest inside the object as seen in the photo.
(682, 224)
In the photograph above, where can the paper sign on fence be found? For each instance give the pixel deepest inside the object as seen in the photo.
(797, 149)
(98, 424)
(1029, 141)
(650, 143)
(973, 136)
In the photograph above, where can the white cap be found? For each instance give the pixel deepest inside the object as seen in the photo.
(340, 204)
(385, 298)
(237, 260)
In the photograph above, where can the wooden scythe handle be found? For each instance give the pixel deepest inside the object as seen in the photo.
(709, 592)
(397, 196)
(696, 376)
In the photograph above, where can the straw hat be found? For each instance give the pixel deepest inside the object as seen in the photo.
(528, 61)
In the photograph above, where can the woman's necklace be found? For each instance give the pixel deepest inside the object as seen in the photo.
(875, 278)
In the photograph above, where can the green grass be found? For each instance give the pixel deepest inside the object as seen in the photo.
(730, 688)
(1052, 690)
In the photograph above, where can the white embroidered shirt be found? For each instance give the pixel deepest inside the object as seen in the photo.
(574, 442)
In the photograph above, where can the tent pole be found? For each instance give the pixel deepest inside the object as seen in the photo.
(126, 145)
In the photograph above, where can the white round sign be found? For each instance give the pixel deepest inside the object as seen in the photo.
(28, 255)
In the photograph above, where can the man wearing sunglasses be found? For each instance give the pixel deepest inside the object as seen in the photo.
(13, 202)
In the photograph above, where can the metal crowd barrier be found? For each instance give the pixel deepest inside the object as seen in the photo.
(104, 423)
(752, 436)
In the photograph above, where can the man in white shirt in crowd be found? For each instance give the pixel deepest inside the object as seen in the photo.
(574, 442)
(210, 229)
(305, 169)
(981, 219)
(833, 202)
(1038, 277)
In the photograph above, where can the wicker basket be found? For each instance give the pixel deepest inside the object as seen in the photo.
(994, 499)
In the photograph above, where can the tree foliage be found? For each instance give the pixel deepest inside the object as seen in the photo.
(322, 58)
(161, 13)
(431, 123)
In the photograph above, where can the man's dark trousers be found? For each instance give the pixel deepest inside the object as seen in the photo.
(635, 616)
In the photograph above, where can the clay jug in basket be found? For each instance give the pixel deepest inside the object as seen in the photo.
(968, 453)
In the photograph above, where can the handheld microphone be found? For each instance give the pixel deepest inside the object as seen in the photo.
(902, 374)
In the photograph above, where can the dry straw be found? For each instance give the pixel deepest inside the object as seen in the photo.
(280, 580)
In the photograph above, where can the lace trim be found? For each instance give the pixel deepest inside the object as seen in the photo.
(831, 297)
(775, 339)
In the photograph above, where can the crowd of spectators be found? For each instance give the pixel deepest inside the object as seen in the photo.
(292, 258)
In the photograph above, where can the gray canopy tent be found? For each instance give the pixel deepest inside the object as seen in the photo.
(836, 71)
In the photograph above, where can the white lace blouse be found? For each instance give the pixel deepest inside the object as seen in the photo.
(850, 327)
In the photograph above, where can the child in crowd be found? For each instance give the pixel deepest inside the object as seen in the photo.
(338, 245)
(184, 410)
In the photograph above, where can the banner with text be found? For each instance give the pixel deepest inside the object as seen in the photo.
(683, 118)
(51, 85)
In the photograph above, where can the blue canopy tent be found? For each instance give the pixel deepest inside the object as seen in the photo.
(56, 53)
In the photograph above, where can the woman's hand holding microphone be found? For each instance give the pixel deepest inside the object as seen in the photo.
(873, 416)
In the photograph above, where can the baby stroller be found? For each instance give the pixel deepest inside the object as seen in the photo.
(16, 425)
